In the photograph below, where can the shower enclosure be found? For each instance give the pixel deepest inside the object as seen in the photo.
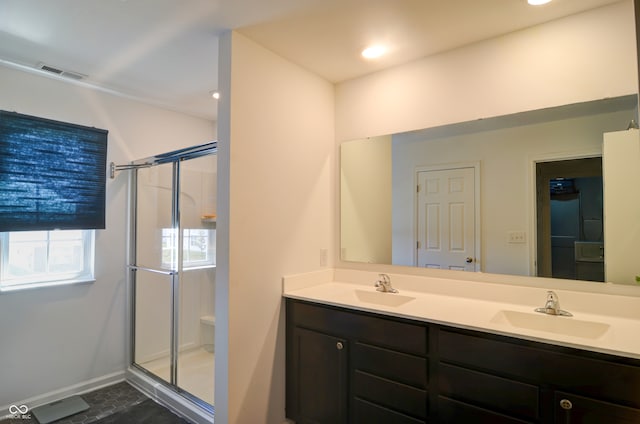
(172, 257)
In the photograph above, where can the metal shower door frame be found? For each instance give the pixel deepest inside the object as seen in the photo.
(175, 158)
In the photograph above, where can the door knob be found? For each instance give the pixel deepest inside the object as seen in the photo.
(566, 404)
(339, 346)
(469, 259)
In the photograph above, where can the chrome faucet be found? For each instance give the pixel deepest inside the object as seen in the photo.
(552, 306)
(384, 284)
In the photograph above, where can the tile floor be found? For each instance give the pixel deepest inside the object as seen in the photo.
(195, 375)
(105, 402)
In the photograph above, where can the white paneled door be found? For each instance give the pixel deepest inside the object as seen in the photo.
(446, 219)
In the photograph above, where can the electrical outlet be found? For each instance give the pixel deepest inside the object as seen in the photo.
(517, 237)
(324, 254)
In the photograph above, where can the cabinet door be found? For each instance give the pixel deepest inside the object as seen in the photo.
(319, 372)
(572, 409)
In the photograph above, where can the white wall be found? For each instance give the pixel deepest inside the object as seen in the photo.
(583, 57)
(365, 200)
(59, 337)
(506, 186)
(277, 173)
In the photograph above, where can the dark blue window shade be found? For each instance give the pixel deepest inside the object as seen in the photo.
(52, 174)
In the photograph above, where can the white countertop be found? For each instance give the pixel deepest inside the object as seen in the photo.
(607, 323)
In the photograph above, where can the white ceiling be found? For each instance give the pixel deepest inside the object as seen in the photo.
(166, 51)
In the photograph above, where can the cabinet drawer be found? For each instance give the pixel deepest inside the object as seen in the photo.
(401, 367)
(582, 410)
(453, 412)
(602, 379)
(595, 375)
(491, 355)
(392, 395)
(368, 413)
(498, 394)
(386, 332)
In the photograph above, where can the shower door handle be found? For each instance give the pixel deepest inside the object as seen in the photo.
(157, 271)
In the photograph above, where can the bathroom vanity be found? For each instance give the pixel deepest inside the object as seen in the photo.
(352, 364)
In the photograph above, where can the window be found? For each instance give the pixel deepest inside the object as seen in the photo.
(52, 198)
(45, 258)
(198, 247)
(52, 174)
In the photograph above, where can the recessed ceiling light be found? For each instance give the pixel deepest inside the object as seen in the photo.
(373, 52)
(538, 2)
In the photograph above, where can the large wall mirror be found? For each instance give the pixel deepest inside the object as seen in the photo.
(467, 196)
(519, 194)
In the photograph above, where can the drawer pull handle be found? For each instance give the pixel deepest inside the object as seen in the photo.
(566, 404)
(339, 346)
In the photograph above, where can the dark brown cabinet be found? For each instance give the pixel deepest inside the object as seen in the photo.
(573, 409)
(320, 380)
(377, 375)
(346, 366)
(387, 386)
(535, 382)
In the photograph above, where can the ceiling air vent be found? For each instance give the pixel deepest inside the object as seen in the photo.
(50, 69)
(61, 72)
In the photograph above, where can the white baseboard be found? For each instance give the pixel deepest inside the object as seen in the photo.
(169, 398)
(76, 389)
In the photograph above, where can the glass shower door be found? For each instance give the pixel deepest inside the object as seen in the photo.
(173, 271)
(197, 277)
(154, 271)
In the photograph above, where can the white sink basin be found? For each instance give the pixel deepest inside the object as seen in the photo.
(385, 299)
(568, 326)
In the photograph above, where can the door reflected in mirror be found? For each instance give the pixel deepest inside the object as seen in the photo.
(569, 211)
